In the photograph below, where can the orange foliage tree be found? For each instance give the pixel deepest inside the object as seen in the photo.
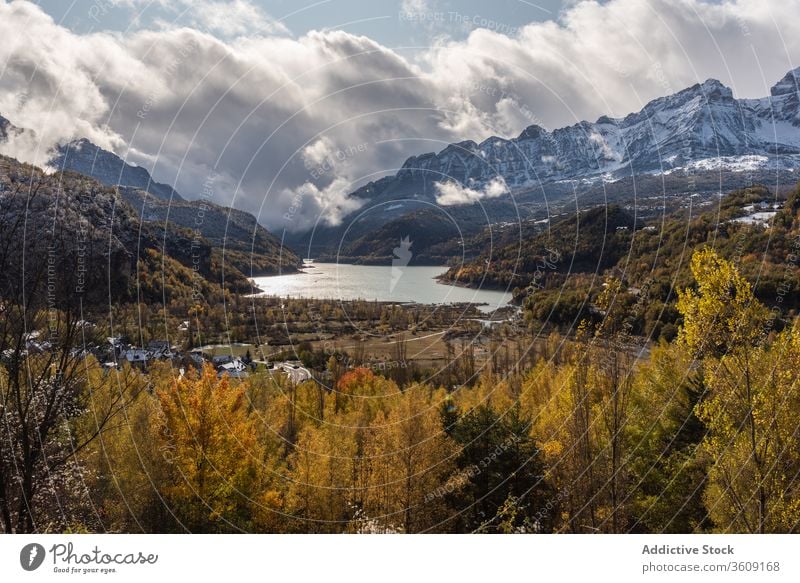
(210, 440)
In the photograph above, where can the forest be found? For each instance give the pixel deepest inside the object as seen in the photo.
(697, 434)
(654, 390)
(558, 273)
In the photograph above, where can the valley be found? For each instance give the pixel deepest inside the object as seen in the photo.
(558, 332)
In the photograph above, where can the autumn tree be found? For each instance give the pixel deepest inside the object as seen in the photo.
(210, 441)
(125, 466)
(610, 366)
(562, 404)
(413, 458)
(751, 407)
(665, 459)
(324, 478)
(330, 466)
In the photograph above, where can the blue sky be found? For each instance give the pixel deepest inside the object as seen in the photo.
(387, 21)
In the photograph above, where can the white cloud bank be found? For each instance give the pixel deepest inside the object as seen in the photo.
(451, 193)
(246, 101)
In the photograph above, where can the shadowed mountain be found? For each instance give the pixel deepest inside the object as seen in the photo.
(239, 240)
(84, 157)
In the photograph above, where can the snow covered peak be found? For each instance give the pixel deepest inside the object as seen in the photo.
(703, 127)
(710, 89)
(690, 100)
(789, 84)
(465, 146)
(531, 132)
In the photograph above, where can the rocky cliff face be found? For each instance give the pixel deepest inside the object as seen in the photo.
(701, 127)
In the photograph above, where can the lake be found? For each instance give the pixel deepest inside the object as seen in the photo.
(377, 282)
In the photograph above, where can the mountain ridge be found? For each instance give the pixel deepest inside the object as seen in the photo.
(701, 136)
(86, 158)
(236, 235)
(697, 123)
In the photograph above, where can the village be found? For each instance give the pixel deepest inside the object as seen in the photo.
(235, 367)
(118, 351)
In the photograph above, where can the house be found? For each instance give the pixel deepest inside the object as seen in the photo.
(115, 340)
(118, 345)
(197, 359)
(34, 344)
(36, 347)
(294, 371)
(221, 359)
(137, 356)
(232, 366)
(159, 349)
(235, 369)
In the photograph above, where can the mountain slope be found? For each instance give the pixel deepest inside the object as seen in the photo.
(102, 251)
(239, 240)
(701, 123)
(575, 253)
(73, 226)
(84, 157)
(235, 234)
(698, 140)
(244, 244)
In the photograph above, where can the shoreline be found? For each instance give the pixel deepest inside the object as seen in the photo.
(483, 304)
(440, 279)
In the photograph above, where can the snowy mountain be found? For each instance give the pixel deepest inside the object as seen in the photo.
(701, 139)
(703, 127)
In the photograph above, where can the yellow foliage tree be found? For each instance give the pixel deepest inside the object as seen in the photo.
(751, 409)
(412, 458)
(324, 477)
(722, 314)
(209, 439)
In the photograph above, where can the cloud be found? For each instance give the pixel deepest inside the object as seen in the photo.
(236, 18)
(222, 88)
(613, 57)
(226, 18)
(320, 153)
(600, 144)
(415, 6)
(451, 193)
(333, 202)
